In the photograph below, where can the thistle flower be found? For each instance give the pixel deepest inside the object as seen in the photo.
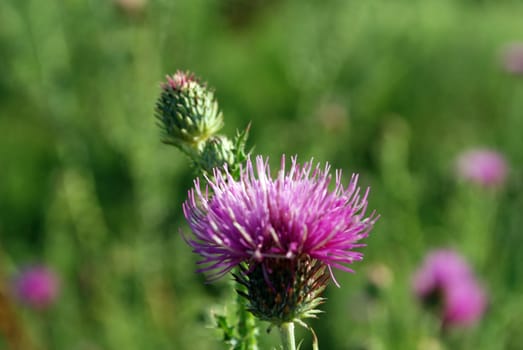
(446, 282)
(284, 233)
(188, 112)
(37, 287)
(482, 166)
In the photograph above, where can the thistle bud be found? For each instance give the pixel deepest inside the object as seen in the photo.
(188, 112)
(217, 151)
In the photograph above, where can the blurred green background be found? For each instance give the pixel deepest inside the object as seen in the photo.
(393, 90)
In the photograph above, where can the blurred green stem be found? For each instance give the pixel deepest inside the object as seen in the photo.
(246, 324)
(287, 336)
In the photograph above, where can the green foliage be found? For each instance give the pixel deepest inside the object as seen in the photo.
(393, 90)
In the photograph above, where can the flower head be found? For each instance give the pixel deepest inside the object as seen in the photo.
(290, 225)
(37, 286)
(446, 281)
(483, 166)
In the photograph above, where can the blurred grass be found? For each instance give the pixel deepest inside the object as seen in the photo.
(390, 89)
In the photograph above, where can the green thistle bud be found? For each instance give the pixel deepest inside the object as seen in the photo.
(219, 150)
(281, 290)
(188, 112)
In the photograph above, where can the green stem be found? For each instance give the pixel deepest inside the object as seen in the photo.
(246, 325)
(287, 336)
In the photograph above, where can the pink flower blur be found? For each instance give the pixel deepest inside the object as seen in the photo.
(465, 303)
(446, 279)
(512, 58)
(482, 166)
(37, 287)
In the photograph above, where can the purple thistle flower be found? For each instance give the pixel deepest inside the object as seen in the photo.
(37, 287)
(259, 217)
(290, 225)
(483, 166)
(446, 281)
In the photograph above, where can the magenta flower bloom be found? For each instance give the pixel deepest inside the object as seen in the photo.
(446, 281)
(37, 287)
(258, 217)
(483, 166)
(283, 226)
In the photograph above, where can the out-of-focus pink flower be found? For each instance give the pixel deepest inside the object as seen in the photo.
(440, 268)
(446, 281)
(512, 58)
(37, 287)
(483, 166)
(465, 303)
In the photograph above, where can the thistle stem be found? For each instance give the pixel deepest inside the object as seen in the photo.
(246, 324)
(287, 336)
